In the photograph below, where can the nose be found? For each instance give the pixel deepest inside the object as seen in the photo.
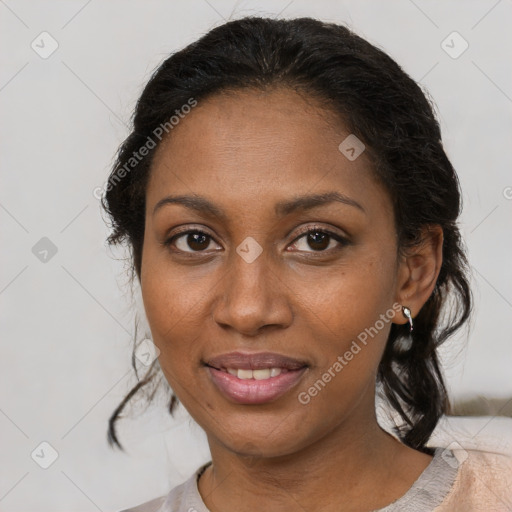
(252, 297)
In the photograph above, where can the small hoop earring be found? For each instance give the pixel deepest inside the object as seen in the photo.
(407, 313)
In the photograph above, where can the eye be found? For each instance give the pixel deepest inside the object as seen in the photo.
(316, 238)
(195, 239)
(319, 240)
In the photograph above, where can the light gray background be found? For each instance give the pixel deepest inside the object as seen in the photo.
(67, 323)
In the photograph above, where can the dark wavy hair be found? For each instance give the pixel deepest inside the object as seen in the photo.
(383, 107)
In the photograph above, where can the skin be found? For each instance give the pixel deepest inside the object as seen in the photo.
(245, 151)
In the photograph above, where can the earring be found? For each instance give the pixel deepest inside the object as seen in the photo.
(407, 313)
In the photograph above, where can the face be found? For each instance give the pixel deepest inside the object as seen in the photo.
(237, 271)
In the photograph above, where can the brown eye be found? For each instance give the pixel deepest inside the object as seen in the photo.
(190, 241)
(318, 240)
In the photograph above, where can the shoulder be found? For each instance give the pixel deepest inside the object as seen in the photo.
(480, 448)
(153, 505)
(182, 498)
(484, 480)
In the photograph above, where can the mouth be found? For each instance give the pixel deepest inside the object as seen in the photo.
(259, 374)
(255, 378)
(255, 361)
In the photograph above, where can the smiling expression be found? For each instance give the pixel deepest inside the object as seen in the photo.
(257, 171)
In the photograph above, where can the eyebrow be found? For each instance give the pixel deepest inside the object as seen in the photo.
(282, 208)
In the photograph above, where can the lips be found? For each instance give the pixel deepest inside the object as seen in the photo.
(255, 361)
(255, 378)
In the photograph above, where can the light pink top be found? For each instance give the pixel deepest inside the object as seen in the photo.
(457, 480)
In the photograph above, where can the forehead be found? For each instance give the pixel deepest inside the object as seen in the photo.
(250, 146)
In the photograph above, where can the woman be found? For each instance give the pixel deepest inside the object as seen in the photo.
(292, 217)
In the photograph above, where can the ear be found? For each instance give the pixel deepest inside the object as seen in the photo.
(418, 271)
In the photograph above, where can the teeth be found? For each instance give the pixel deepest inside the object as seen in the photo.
(244, 374)
(262, 374)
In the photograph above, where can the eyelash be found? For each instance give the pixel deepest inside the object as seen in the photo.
(305, 231)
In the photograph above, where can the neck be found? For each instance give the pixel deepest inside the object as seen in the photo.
(352, 468)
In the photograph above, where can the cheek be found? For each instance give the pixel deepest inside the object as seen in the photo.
(348, 298)
(349, 312)
(169, 299)
(174, 315)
